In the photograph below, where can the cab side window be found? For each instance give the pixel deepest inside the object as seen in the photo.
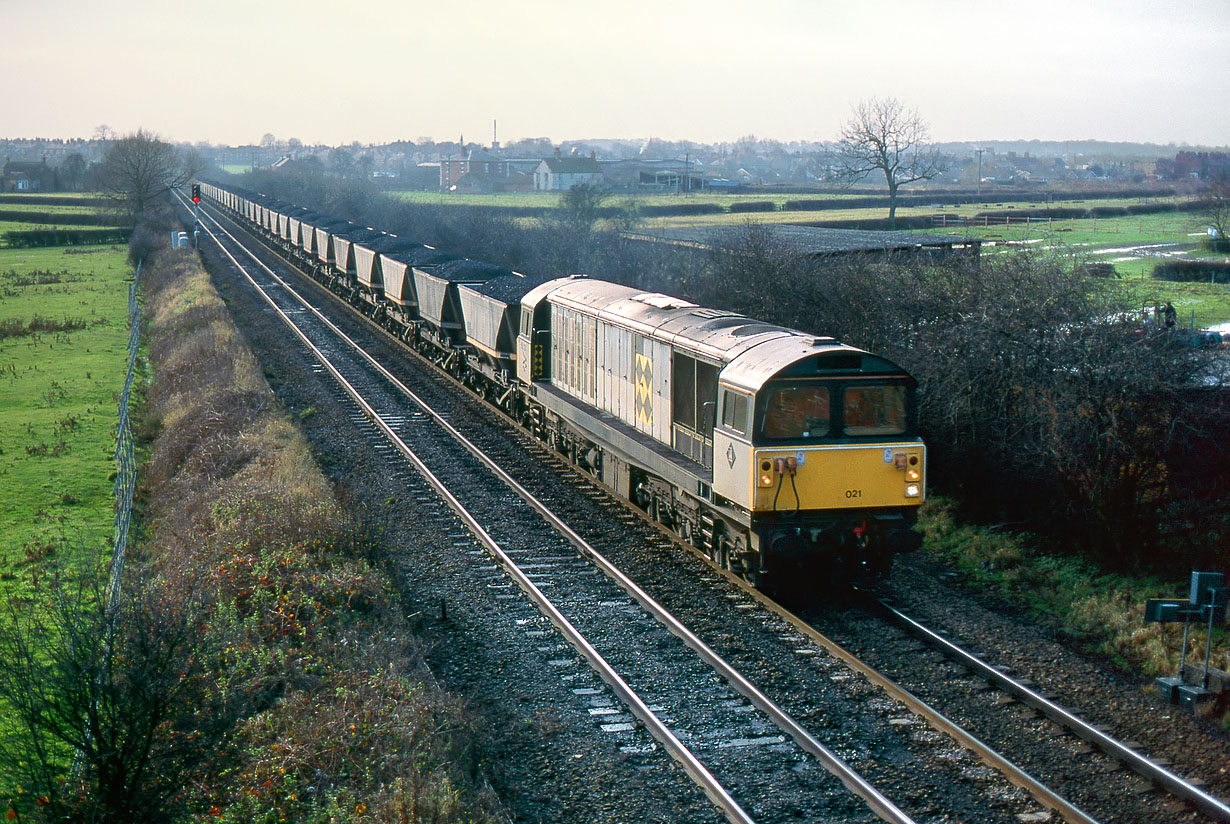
(734, 411)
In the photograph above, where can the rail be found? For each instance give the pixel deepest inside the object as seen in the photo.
(1154, 772)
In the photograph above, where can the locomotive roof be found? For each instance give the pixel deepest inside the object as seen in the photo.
(750, 351)
(710, 334)
(803, 356)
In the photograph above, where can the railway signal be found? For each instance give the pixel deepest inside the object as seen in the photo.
(196, 192)
(1206, 602)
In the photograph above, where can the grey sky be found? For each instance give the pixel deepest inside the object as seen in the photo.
(333, 71)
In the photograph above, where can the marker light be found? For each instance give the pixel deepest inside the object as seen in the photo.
(912, 475)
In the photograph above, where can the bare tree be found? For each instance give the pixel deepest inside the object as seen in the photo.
(1217, 211)
(71, 173)
(580, 206)
(883, 135)
(139, 168)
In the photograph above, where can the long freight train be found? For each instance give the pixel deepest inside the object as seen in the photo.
(785, 457)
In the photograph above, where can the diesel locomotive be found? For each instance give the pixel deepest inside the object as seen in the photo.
(786, 458)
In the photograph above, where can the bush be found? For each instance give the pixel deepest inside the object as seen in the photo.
(338, 724)
(680, 209)
(753, 206)
(39, 238)
(1193, 270)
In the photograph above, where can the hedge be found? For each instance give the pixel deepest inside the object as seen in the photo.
(63, 218)
(678, 209)
(1193, 270)
(39, 200)
(753, 206)
(65, 237)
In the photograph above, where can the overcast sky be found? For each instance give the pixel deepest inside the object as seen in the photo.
(335, 71)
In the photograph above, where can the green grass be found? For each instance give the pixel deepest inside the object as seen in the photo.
(1101, 613)
(35, 198)
(1134, 245)
(43, 207)
(22, 226)
(58, 393)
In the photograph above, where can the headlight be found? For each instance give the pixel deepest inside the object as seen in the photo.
(766, 480)
(911, 490)
(912, 475)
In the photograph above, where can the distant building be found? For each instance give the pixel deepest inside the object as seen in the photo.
(481, 172)
(27, 177)
(1200, 165)
(558, 174)
(483, 168)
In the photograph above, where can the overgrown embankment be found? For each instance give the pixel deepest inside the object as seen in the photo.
(352, 729)
(1099, 612)
(259, 666)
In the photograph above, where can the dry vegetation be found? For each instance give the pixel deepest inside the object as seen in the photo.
(258, 642)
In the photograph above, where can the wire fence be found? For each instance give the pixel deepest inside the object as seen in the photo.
(125, 453)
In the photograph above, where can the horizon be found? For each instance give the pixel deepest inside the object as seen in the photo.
(423, 139)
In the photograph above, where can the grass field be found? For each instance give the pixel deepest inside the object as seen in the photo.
(44, 196)
(64, 216)
(1134, 245)
(43, 207)
(63, 340)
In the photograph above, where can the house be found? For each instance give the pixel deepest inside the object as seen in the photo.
(557, 174)
(27, 177)
(485, 170)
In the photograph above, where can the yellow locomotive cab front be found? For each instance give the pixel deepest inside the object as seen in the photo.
(839, 476)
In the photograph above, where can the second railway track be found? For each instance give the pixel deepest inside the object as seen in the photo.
(930, 778)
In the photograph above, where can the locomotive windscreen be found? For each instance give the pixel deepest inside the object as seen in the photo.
(817, 410)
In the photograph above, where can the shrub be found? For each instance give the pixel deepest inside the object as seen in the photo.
(1193, 270)
(753, 206)
(37, 238)
(680, 209)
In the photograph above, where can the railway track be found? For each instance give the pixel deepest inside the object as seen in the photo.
(773, 745)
